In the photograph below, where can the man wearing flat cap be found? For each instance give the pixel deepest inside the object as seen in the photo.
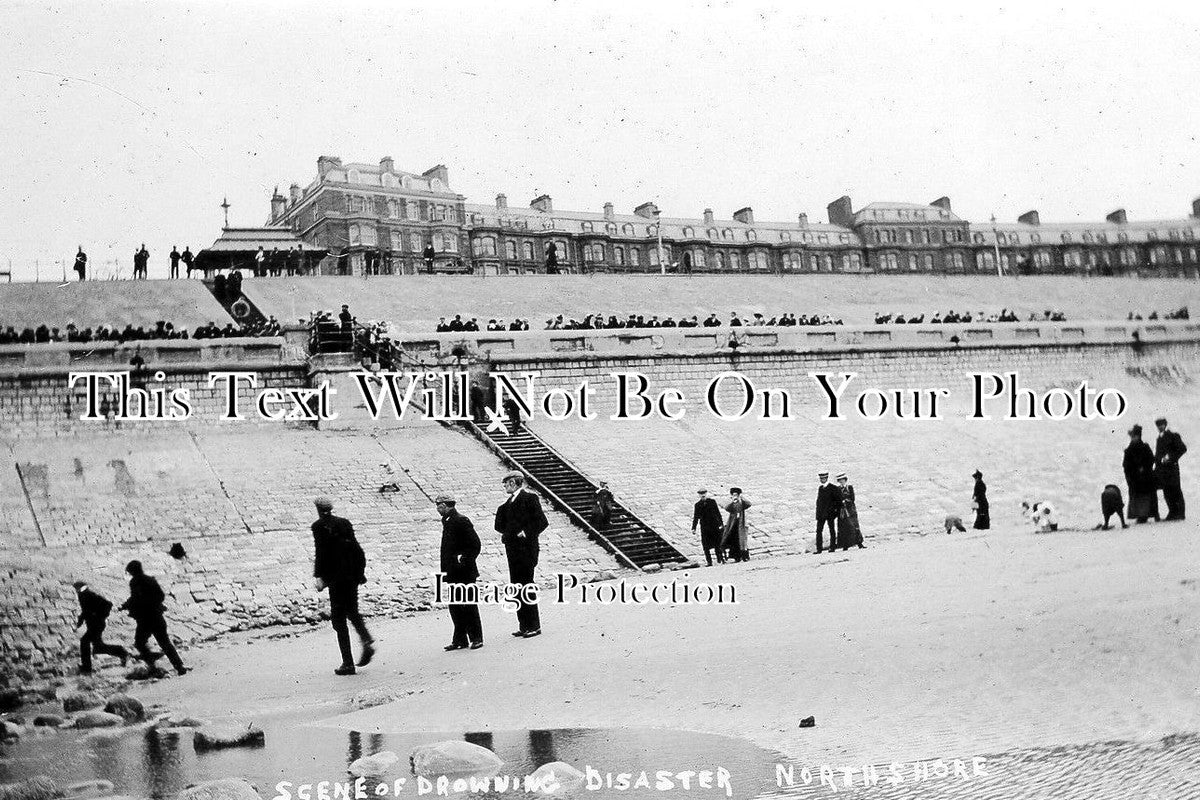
(707, 514)
(340, 564)
(829, 505)
(460, 548)
(1167, 451)
(519, 521)
(94, 609)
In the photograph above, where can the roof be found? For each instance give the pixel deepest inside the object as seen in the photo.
(1138, 232)
(240, 240)
(904, 212)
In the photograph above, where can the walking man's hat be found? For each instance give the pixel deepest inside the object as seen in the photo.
(444, 498)
(323, 503)
(702, 491)
(1136, 429)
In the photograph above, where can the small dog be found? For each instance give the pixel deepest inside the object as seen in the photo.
(1112, 502)
(1041, 515)
(954, 522)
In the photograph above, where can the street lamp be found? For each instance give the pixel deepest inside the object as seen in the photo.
(996, 247)
(662, 265)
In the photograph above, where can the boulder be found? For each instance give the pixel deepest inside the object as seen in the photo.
(98, 719)
(215, 737)
(373, 765)
(179, 721)
(222, 789)
(48, 720)
(85, 790)
(10, 699)
(10, 730)
(451, 758)
(36, 788)
(129, 708)
(565, 776)
(81, 701)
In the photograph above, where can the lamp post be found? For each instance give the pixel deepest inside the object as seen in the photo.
(662, 265)
(996, 247)
(225, 206)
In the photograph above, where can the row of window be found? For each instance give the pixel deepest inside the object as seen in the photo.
(394, 181)
(920, 236)
(403, 209)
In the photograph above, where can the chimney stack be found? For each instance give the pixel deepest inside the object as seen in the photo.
(440, 172)
(1118, 217)
(803, 220)
(942, 202)
(326, 163)
(744, 215)
(708, 216)
(1030, 218)
(501, 202)
(841, 212)
(542, 203)
(1196, 207)
(608, 210)
(386, 164)
(278, 205)
(294, 191)
(647, 210)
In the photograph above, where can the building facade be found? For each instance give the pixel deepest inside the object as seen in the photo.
(375, 219)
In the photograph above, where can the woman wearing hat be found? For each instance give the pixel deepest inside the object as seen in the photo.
(736, 538)
(1139, 476)
(979, 502)
(848, 531)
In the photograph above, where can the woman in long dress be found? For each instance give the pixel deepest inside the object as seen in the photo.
(1139, 476)
(736, 539)
(848, 530)
(983, 512)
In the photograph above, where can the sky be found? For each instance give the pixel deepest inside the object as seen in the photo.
(129, 122)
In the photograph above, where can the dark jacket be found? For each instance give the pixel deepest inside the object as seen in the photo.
(1169, 444)
(521, 513)
(93, 608)
(829, 501)
(707, 515)
(145, 598)
(1138, 465)
(339, 558)
(460, 548)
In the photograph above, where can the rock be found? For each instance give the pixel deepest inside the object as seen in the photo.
(144, 673)
(376, 696)
(10, 730)
(84, 790)
(129, 708)
(603, 575)
(452, 757)
(48, 720)
(98, 719)
(223, 789)
(36, 788)
(565, 776)
(652, 568)
(373, 765)
(10, 699)
(179, 721)
(214, 737)
(81, 701)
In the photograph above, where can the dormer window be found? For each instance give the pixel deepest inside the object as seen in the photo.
(726, 234)
(627, 229)
(353, 176)
(586, 227)
(712, 233)
(688, 232)
(751, 236)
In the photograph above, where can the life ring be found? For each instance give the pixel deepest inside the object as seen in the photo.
(240, 309)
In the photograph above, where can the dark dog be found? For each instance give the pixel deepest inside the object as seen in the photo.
(1111, 502)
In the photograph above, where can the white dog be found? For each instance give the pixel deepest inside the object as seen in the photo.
(1041, 515)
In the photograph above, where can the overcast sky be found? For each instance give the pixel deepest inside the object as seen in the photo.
(126, 122)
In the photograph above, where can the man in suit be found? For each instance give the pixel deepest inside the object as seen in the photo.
(1167, 451)
(175, 256)
(520, 520)
(81, 264)
(340, 565)
(707, 514)
(829, 504)
(460, 548)
(93, 613)
(145, 605)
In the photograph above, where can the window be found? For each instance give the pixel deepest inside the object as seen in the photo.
(1041, 259)
(1128, 257)
(926, 236)
(719, 260)
(1151, 236)
(627, 229)
(726, 234)
(927, 262)
(634, 257)
(827, 263)
(619, 255)
(449, 243)
(751, 236)
(654, 256)
(978, 238)
(913, 265)
(985, 261)
(652, 230)
(1158, 256)
(698, 259)
(527, 251)
(688, 232)
(856, 260)
(814, 263)
(735, 259)
(1122, 237)
(758, 260)
(712, 233)
(784, 236)
(794, 260)
(355, 233)
(1066, 237)
(823, 238)
(886, 261)
(957, 261)
(393, 209)
(1072, 259)
(353, 176)
(510, 250)
(910, 237)
(844, 238)
(414, 243)
(485, 246)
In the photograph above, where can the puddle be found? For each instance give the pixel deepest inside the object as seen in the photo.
(145, 764)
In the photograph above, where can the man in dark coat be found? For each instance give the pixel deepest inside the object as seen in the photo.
(707, 514)
(187, 259)
(145, 605)
(175, 256)
(1138, 465)
(519, 521)
(460, 548)
(93, 613)
(81, 264)
(340, 565)
(1167, 451)
(829, 505)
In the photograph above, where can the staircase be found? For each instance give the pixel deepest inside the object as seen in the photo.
(628, 538)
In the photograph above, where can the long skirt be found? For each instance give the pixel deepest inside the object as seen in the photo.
(848, 531)
(983, 517)
(1142, 505)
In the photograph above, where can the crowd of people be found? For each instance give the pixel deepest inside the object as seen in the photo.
(639, 321)
(1178, 314)
(1003, 315)
(162, 329)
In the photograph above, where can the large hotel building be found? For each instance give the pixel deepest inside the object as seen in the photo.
(375, 218)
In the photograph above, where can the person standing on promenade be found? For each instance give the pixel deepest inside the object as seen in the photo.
(340, 565)
(979, 502)
(736, 538)
(707, 514)
(459, 549)
(81, 264)
(93, 613)
(602, 505)
(1167, 451)
(519, 521)
(1138, 465)
(145, 605)
(829, 504)
(848, 531)
(175, 256)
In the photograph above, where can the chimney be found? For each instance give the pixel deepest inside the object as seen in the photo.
(502, 202)
(1119, 217)
(278, 205)
(744, 215)
(708, 216)
(542, 203)
(942, 202)
(440, 172)
(1029, 218)
(386, 164)
(804, 220)
(647, 210)
(294, 192)
(326, 163)
(841, 212)
(1196, 207)
(608, 210)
